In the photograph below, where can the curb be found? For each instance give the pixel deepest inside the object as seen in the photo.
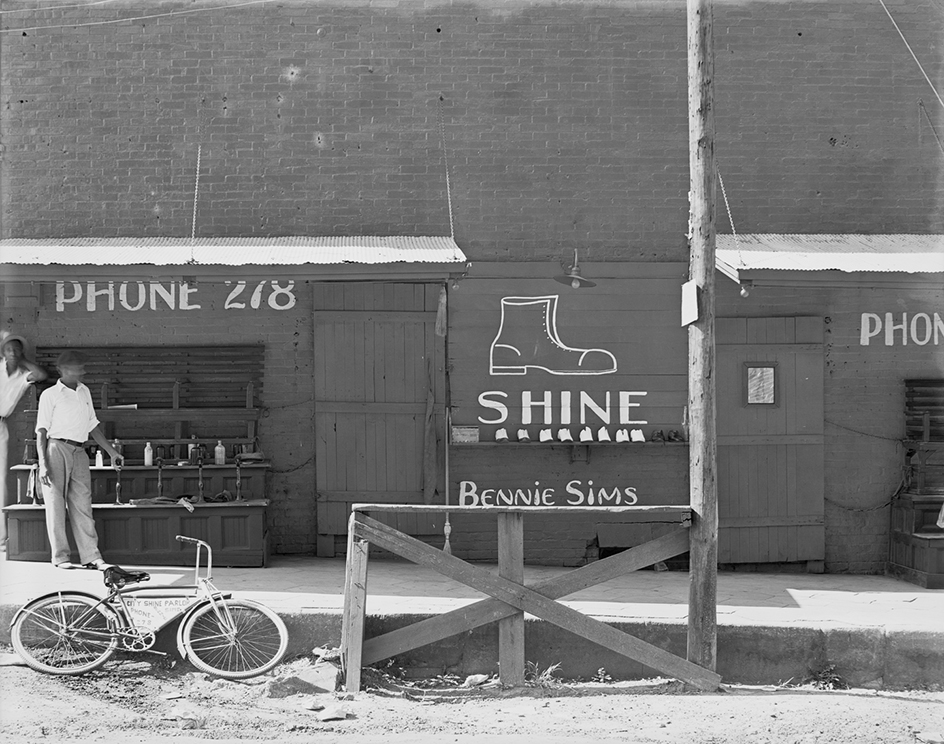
(865, 656)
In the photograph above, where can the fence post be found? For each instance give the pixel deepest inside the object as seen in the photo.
(355, 611)
(511, 629)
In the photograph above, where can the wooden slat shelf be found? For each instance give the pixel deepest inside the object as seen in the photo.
(624, 445)
(168, 376)
(136, 507)
(173, 414)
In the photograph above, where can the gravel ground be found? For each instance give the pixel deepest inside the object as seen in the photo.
(141, 700)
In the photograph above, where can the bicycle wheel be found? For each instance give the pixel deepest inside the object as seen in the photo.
(64, 634)
(235, 638)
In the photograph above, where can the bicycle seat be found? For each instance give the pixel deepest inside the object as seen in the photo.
(118, 577)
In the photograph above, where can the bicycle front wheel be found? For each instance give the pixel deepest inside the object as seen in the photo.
(64, 634)
(234, 638)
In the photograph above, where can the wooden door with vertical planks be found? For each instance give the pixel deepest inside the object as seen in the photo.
(376, 358)
(770, 440)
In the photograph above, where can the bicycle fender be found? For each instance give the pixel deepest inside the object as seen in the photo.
(186, 616)
(72, 593)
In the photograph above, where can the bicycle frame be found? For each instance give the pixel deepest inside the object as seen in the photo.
(120, 606)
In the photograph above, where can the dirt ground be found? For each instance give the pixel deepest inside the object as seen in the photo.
(142, 700)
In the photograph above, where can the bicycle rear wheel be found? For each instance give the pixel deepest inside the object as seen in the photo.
(235, 638)
(64, 634)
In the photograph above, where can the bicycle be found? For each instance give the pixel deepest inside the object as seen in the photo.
(74, 632)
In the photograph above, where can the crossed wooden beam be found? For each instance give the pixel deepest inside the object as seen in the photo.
(510, 598)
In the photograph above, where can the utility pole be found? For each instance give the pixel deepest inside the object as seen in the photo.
(703, 448)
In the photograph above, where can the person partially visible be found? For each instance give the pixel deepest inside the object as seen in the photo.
(17, 373)
(65, 421)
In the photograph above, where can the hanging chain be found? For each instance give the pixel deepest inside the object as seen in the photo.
(442, 138)
(737, 242)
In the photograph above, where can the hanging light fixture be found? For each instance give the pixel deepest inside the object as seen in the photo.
(572, 276)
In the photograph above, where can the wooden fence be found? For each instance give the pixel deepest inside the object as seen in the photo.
(510, 598)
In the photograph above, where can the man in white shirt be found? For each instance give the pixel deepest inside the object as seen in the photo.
(17, 373)
(65, 421)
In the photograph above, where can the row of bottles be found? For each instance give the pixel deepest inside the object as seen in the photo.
(195, 452)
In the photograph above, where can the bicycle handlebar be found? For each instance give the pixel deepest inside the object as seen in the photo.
(209, 555)
(195, 541)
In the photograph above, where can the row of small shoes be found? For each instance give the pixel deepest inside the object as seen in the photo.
(586, 435)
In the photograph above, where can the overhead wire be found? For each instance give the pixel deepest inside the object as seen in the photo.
(130, 19)
(44, 8)
(913, 55)
(927, 116)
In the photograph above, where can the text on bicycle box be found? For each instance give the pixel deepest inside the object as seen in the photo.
(153, 613)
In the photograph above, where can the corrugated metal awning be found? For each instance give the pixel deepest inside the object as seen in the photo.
(284, 251)
(909, 254)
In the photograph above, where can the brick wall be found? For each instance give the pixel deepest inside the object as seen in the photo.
(566, 122)
(565, 125)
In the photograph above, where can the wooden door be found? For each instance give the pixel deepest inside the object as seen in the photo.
(377, 356)
(770, 440)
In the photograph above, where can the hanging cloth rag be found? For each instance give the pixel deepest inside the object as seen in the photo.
(32, 485)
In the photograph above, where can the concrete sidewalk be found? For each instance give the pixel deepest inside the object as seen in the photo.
(875, 630)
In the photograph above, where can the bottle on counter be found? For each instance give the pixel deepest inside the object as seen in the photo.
(119, 447)
(192, 449)
(219, 453)
(99, 458)
(148, 455)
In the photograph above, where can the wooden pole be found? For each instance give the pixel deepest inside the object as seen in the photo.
(511, 659)
(702, 607)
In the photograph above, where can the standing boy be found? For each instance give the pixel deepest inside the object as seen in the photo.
(66, 419)
(17, 373)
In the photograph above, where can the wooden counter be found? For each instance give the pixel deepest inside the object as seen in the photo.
(144, 534)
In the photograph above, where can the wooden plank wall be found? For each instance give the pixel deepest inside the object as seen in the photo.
(771, 458)
(373, 342)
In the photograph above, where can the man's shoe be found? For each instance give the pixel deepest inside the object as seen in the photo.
(675, 436)
(622, 435)
(98, 565)
(657, 436)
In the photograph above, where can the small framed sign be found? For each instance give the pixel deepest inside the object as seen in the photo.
(465, 434)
